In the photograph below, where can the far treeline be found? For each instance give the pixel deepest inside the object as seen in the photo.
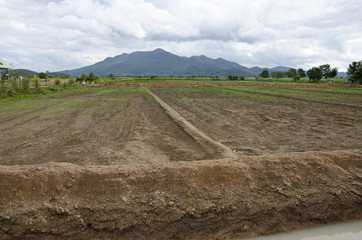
(315, 74)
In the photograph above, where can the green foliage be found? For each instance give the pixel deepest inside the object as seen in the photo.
(42, 75)
(81, 79)
(242, 78)
(25, 84)
(301, 72)
(230, 77)
(277, 74)
(353, 67)
(15, 85)
(57, 82)
(315, 74)
(264, 74)
(53, 88)
(296, 77)
(36, 82)
(357, 74)
(291, 73)
(327, 72)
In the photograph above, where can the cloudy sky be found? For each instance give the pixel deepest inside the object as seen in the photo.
(66, 34)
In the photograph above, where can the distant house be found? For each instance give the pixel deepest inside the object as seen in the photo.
(352, 80)
(4, 67)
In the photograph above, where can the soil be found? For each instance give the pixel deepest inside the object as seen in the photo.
(216, 199)
(96, 128)
(117, 164)
(254, 127)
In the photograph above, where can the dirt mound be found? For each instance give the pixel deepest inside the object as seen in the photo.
(216, 199)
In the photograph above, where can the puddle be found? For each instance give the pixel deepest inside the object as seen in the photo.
(343, 231)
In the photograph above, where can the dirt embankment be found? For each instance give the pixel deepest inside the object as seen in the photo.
(216, 199)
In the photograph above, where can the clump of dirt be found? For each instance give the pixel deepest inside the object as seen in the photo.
(216, 199)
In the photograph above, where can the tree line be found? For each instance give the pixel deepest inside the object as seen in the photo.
(317, 73)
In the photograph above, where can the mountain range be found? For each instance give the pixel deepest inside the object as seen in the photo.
(161, 62)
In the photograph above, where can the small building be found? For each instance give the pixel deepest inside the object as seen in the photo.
(352, 80)
(5, 68)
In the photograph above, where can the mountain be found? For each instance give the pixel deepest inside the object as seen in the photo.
(160, 62)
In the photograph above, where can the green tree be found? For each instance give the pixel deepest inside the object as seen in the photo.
(81, 79)
(301, 72)
(333, 73)
(315, 74)
(277, 74)
(230, 77)
(91, 78)
(264, 74)
(42, 75)
(353, 67)
(242, 78)
(291, 73)
(357, 74)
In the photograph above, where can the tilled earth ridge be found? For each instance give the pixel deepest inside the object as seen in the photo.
(216, 199)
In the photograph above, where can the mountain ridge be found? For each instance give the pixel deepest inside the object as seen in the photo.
(161, 62)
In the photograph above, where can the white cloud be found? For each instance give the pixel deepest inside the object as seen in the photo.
(66, 34)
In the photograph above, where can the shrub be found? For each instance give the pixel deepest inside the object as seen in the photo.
(25, 84)
(57, 82)
(36, 83)
(296, 77)
(14, 85)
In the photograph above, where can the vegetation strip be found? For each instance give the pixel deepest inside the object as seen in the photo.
(191, 129)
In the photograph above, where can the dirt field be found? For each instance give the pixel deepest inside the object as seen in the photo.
(270, 123)
(117, 163)
(118, 127)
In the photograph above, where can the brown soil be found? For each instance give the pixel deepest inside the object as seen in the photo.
(252, 127)
(99, 128)
(55, 182)
(218, 199)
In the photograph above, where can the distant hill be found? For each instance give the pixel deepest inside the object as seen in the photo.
(25, 72)
(160, 62)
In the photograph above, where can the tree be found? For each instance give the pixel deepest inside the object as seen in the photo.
(277, 74)
(91, 78)
(357, 74)
(291, 73)
(315, 74)
(81, 79)
(42, 75)
(264, 74)
(230, 77)
(301, 72)
(353, 67)
(333, 73)
(326, 69)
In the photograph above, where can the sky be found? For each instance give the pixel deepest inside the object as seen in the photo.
(60, 35)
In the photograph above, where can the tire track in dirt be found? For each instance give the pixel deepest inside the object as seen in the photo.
(191, 129)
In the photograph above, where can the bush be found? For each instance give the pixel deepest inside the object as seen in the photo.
(242, 78)
(57, 82)
(53, 88)
(25, 84)
(14, 85)
(36, 83)
(296, 77)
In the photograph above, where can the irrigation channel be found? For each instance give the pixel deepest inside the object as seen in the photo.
(342, 231)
